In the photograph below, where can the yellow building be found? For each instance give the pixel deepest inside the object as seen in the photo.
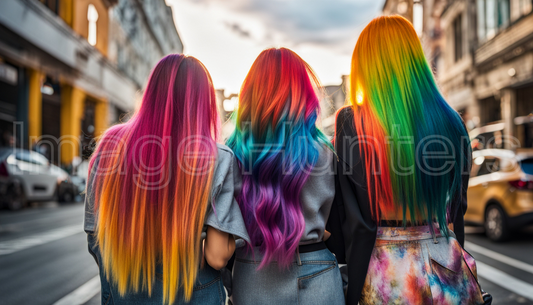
(63, 77)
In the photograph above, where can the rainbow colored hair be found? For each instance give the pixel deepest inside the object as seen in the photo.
(153, 181)
(275, 142)
(403, 122)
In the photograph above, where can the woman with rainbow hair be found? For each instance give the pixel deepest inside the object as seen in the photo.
(160, 195)
(402, 176)
(284, 186)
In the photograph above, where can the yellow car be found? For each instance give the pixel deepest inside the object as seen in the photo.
(500, 191)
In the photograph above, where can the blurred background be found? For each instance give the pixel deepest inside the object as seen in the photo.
(69, 69)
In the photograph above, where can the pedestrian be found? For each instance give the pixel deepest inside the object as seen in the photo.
(284, 186)
(158, 185)
(402, 177)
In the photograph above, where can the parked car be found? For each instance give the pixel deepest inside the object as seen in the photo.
(500, 191)
(488, 136)
(67, 190)
(27, 176)
(79, 182)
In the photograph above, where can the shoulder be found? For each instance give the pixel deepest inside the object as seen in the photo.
(225, 158)
(224, 150)
(324, 151)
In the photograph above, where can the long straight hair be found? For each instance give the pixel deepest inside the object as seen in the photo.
(275, 142)
(401, 119)
(153, 179)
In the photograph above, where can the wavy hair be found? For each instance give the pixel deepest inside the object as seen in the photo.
(153, 179)
(275, 142)
(411, 139)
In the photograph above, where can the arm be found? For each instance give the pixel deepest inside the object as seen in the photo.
(224, 220)
(218, 248)
(335, 242)
(461, 201)
(353, 205)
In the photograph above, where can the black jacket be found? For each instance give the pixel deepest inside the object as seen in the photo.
(353, 231)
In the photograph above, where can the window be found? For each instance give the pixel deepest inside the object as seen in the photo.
(481, 29)
(503, 15)
(489, 166)
(39, 159)
(525, 6)
(495, 15)
(92, 17)
(418, 17)
(53, 5)
(31, 157)
(527, 166)
(458, 37)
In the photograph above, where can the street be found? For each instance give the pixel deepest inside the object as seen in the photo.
(44, 259)
(43, 255)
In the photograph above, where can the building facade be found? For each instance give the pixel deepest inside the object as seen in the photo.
(66, 68)
(482, 54)
(334, 97)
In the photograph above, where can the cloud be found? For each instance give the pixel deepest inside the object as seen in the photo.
(292, 22)
(237, 28)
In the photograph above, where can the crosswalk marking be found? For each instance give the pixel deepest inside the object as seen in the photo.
(82, 294)
(15, 245)
(504, 280)
(499, 257)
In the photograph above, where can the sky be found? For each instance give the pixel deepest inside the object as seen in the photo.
(227, 35)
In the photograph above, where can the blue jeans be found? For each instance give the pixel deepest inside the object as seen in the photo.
(312, 278)
(207, 290)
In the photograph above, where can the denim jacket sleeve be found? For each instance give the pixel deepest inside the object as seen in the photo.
(224, 213)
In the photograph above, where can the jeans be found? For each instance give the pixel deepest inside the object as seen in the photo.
(207, 290)
(312, 278)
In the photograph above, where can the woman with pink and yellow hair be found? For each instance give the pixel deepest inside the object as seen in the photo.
(160, 195)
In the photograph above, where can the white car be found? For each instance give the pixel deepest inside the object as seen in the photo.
(28, 176)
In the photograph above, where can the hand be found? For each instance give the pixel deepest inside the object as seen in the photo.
(326, 235)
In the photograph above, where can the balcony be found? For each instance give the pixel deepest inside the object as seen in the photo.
(505, 44)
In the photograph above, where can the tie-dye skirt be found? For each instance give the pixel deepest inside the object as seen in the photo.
(410, 266)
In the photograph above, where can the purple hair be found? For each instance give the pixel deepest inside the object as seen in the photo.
(275, 142)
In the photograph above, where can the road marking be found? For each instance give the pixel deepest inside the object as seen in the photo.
(15, 245)
(82, 294)
(499, 257)
(88, 290)
(504, 280)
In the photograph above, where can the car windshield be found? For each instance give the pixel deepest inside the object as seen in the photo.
(527, 166)
(489, 166)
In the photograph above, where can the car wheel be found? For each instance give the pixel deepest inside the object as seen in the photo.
(496, 225)
(67, 197)
(15, 198)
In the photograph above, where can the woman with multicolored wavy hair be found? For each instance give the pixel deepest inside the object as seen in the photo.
(402, 176)
(160, 195)
(284, 186)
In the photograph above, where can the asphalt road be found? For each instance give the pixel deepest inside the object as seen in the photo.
(44, 260)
